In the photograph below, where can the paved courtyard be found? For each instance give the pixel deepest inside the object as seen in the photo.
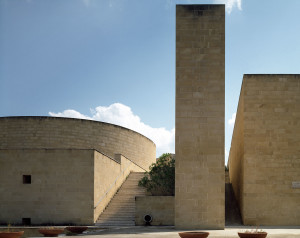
(139, 232)
(162, 232)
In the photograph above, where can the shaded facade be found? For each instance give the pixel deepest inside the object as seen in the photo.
(264, 159)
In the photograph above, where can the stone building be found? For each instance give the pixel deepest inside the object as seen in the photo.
(65, 171)
(59, 170)
(264, 159)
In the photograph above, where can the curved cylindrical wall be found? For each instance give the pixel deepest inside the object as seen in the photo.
(57, 132)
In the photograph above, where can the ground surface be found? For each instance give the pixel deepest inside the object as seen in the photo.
(164, 232)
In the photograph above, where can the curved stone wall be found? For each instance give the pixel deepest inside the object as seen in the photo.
(57, 132)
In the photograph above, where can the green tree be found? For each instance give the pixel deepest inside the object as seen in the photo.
(160, 180)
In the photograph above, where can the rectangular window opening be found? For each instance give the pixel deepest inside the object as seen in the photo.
(26, 179)
(26, 221)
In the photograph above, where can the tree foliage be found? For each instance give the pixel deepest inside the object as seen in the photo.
(160, 180)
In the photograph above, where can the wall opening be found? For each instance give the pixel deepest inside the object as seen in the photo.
(26, 179)
(26, 221)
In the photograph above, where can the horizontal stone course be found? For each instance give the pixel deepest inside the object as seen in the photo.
(264, 155)
(161, 208)
(200, 92)
(68, 186)
(51, 132)
(61, 188)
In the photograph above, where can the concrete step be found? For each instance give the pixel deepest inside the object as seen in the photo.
(119, 205)
(122, 201)
(117, 212)
(130, 223)
(124, 204)
(136, 174)
(133, 186)
(124, 207)
(116, 220)
(137, 178)
(115, 224)
(132, 193)
(120, 217)
(120, 213)
(126, 197)
(121, 210)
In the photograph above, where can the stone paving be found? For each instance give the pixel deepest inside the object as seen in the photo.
(164, 232)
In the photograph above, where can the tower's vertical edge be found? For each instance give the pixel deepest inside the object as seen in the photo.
(200, 109)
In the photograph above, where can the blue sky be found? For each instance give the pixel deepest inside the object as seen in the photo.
(114, 60)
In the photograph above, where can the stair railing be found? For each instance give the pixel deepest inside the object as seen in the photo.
(113, 184)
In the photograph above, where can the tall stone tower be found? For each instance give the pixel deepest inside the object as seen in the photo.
(200, 109)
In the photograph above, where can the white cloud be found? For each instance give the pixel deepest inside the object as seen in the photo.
(230, 4)
(70, 113)
(226, 156)
(122, 115)
(231, 121)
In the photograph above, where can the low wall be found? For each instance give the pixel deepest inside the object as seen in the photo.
(161, 208)
(109, 176)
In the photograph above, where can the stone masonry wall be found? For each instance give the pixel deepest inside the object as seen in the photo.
(200, 109)
(67, 184)
(271, 192)
(61, 189)
(236, 154)
(161, 208)
(109, 176)
(52, 132)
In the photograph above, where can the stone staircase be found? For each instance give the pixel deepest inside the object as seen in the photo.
(121, 209)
